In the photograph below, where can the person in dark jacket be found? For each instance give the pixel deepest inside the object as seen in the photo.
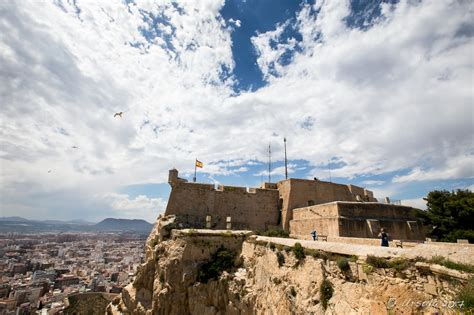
(314, 235)
(384, 236)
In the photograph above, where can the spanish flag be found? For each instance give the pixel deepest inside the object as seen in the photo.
(199, 164)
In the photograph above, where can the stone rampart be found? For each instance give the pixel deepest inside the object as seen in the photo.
(374, 210)
(298, 193)
(356, 219)
(296, 205)
(256, 209)
(322, 218)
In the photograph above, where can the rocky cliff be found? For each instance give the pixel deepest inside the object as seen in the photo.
(223, 272)
(87, 303)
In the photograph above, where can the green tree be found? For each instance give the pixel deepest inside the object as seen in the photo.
(450, 214)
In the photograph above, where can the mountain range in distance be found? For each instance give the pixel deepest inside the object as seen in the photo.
(22, 225)
(123, 225)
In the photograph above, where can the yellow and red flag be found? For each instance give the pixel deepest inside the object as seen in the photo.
(199, 164)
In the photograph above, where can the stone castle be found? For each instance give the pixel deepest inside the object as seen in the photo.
(190, 259)
(295, 205)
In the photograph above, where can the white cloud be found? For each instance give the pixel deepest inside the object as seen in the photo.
(379, 97)
(458, 167)
(139, 207)
(380, 192)
(418, 203)
(63, 76)
(237, 23)
(393, 97)
(373, 182)
(214, 169)
(280, 170)
(268, 57)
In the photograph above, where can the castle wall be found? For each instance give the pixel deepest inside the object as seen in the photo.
(399, 221)
(355, 219)
(322, 218)
(298, 193)
(256, 209)
(326, 210)
(376, 210)
(284, 193)
(297, 205)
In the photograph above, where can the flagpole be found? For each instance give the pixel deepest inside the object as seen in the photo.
(329, 168)
(286, 161)
(269, 164)
(195, 167)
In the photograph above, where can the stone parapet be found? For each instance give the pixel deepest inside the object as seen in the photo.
(203, 205)
(356, 220)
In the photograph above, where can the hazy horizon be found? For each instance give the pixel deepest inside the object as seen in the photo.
(70, 220)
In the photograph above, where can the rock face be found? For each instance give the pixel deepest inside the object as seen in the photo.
(88, 303)
(269, 279)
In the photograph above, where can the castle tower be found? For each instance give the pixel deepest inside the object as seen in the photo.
(173, 176)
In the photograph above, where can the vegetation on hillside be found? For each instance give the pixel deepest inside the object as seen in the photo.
(377, 262)
(274, 233)
(440, 260)
(280, 259)
(450, 214)
(343, 264)
(325, 292)
(400, 264)
(221, 260)
(466, 295)
(298, 250)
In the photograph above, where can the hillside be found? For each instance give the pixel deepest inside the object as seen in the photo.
(231, 272)
(13, 219)
(22, 225)
(112, 224)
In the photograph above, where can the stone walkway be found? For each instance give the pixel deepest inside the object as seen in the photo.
(455, 252)
(463, 253)
(207, 232)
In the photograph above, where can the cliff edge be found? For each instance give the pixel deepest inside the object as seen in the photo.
(191, 271)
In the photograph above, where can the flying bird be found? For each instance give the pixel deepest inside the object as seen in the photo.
(49, 171)
(118, 114)
(74, 147)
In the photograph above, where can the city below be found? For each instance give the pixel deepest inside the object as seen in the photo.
(39, 271)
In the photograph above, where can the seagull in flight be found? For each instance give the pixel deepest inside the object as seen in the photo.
(49, 171)
(74, 147)
(118, 114)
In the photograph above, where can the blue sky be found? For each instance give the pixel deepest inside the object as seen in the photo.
(373, 93)
(255, 17)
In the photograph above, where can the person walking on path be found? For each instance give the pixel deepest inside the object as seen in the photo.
(384, 237)
(314, 235)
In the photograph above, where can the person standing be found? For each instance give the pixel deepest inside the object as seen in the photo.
(384, 237)
(314, 235)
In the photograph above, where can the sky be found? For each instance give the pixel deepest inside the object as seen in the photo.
(379, 94)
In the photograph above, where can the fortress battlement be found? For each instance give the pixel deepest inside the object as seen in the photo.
(222, 188)
(295, 205)
(174, 181)
(232, 188)
(201, 186)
